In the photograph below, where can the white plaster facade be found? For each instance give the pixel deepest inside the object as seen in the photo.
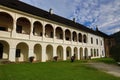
(31, 35)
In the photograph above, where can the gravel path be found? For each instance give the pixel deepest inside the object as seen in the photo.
(108, 68)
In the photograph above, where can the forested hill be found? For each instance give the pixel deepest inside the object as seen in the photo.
(117, 37)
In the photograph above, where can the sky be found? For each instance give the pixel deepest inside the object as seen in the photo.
(105, 14)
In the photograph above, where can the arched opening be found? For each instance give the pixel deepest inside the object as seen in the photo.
(67, 35)
(81, 53)
(37, 52)
(37, 29)
(6, 22)
(59, 33)
(86, 53)
(91, 40)
(76, 53)
(23, 26)
(60, 52)
(95, 52)
(4, 50)
(84, 38)
(68, 53)
(49, 52)
(49, 31)
(22, 52)
(80, 37)
(92, 53)
(74, 36)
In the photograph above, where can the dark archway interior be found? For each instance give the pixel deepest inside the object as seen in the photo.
(1, 50)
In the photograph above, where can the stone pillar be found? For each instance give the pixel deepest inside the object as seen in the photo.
(30, 53)
(78, 54)
(12, 53)
(14, 29)
(43, 36)
(54, 35)
(54, 51)
(64, 53)
(63, 36)
(31, 30)
(43, 53)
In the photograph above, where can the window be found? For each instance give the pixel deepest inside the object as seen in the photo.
(67, 38)
(97, 41)
(68, 54)
(40, 33)
(61, 36)
(101, 42)
(51, 34)
(2, 28)
(91, 40)
(97, 52)
(19, 29)
(18, 53)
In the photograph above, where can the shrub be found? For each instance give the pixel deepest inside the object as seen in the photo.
(31, 59)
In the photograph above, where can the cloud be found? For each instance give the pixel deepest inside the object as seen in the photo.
(103, 13)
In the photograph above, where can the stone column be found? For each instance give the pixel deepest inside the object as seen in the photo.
(12, 52)
(78, 54)
(64, 53)
(43, 53)
(14, 29)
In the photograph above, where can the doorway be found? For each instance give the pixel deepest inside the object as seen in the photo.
(1, 51)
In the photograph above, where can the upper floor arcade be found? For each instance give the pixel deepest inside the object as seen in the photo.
(24, 26)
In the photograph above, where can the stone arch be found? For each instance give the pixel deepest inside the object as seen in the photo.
(37, 52)
(86, 53)
(84, 38)
(91, 40)
(37, 28)
(60, 52)
(80, 37)
(74, 37)
(49, 31)
(4, 49)
(92, 55)
(49, 52)
(76, 53)
(95, 52)
(67, 35)
(81, 53)
(68, 53)
(6, 22)
(59, 33)
(23, 25)
(22, 51)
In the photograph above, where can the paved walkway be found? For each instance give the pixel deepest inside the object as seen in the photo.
(108, 68)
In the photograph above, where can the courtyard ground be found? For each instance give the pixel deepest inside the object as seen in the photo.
(108, 68)
(63, 70)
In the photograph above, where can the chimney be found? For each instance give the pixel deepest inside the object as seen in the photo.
(51, 11)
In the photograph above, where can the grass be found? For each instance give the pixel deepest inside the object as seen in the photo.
(105, 60)
(52, 71)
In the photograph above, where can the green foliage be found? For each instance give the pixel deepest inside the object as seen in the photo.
(116, 36)
(105, 60)
(52, 71)
(115, 52)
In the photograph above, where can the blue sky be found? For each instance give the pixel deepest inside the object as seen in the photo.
(103, 13)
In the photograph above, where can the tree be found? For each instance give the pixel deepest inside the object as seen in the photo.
(115, 52)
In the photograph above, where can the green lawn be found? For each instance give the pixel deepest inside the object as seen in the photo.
(52, 71)
(105, 60)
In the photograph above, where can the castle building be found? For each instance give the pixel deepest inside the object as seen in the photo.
(27, 31)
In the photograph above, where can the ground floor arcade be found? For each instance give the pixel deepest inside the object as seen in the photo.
(20, 50)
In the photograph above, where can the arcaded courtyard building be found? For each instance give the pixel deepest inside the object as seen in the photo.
(27, 31)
